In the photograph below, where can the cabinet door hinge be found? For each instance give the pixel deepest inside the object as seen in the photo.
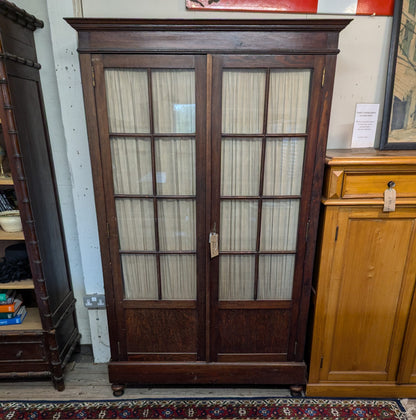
(307, 230)
(322, 362)
(296, 347)
(336, 234)
(323, 77)
(108, 230)
(93, 76)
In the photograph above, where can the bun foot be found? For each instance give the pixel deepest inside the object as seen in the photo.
(118, 390)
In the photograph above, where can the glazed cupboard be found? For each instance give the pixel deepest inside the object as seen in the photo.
(207, 142)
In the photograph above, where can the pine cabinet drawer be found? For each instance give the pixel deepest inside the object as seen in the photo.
(346, 183)
(373, 185)
(362, 176)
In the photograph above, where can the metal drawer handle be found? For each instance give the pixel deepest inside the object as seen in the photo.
(391, 184)
(19, 354)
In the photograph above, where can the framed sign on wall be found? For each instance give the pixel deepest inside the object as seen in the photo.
(399, 117)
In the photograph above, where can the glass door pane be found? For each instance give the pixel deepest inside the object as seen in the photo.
(151, 115)
(243, 101)
(264, 124)
(127, 111)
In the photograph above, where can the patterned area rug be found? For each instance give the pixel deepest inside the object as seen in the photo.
(230, 408)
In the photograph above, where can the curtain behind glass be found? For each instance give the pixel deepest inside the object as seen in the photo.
(173, 107)
(243, 101)
(132, 165)
(127, 100)
(243, 109)
(174, 101)
(288, 101)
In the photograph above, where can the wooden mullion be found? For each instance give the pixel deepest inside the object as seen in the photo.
(158, 304)
(215, 104)
(149, 60)
(146, 135)
(253, 305)
(201, 121)
(257, 252)
(261, 186)
(208, 210)
(154, 185)
(258, 197)
(260, 136)
(151, 196)
(158, 252)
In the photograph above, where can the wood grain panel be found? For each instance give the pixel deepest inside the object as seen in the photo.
(261, 36)
(161, 330)
(16, 351)
(361, 390)
(358, 184)
(254, 331)
(368, 313)
(207, 373)
(163, 357)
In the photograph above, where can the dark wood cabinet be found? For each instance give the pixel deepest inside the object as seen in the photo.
(42, 344)
(207, 142)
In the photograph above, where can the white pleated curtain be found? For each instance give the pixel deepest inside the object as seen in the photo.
(173, 105)
(242, 114)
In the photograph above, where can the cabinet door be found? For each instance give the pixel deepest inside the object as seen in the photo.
(198, 143)
(151, 115)
(368, 293)
(264, 135)
(407, 369)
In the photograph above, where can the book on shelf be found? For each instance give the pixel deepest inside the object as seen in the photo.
(8, 315)
(11, 307)
(18, 319)
(7, 295)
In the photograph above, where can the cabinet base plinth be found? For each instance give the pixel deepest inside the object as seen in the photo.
(361, 390)
(288, 373)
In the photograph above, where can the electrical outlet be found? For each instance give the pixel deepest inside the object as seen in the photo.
(94, 301)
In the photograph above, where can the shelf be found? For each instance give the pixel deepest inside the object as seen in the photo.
(11, 236)
(22, 284)
(30, 323)
(6, 181)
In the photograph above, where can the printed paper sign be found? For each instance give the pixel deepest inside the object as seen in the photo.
(365, 124)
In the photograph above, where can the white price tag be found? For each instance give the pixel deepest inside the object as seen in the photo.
(213, 244)
(389, 200)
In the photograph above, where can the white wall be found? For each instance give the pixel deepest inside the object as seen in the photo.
(60, 149)
(360, 78)
(361, 65)
(61, 84)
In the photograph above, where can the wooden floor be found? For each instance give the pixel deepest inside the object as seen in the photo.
(87, 381)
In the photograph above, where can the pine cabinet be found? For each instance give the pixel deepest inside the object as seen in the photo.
(364, 328)
(207, 143)
(41, 345)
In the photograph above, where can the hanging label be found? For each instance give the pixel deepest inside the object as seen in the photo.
(389, 200)
(213, 244)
